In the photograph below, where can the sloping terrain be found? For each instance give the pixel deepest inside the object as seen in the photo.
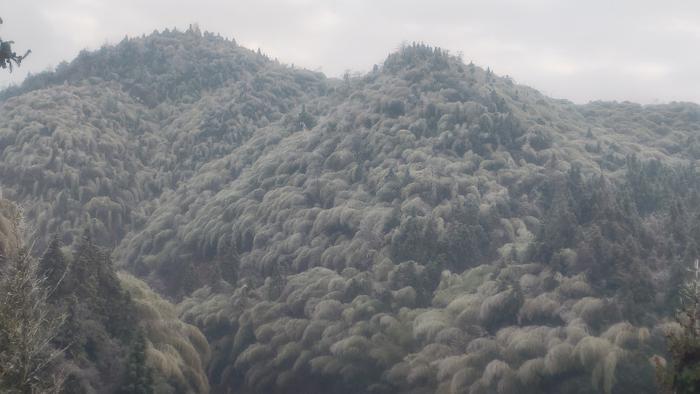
(89, 148)
(428, 226)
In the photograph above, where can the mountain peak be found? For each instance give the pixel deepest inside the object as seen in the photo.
(419, 54)
(358, 236)
(168, 64)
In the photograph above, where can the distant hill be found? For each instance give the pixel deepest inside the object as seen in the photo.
(426, 227)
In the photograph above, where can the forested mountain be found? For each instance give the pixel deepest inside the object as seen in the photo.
(70, 324)
(426, 227)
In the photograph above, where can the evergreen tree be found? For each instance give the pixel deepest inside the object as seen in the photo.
(559, 227)
(305, 120)
(138, 378)
(85, 268)
(97, 285)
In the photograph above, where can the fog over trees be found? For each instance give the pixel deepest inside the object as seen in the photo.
(207, 219)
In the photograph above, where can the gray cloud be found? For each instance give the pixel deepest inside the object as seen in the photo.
(641, 51)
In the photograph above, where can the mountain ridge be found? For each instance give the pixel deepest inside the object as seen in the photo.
(425, 227)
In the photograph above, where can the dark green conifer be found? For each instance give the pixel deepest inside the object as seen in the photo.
(138, 378)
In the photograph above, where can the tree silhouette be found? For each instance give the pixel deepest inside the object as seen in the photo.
(7, 56)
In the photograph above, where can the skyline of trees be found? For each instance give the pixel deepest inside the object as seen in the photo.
(426, 227)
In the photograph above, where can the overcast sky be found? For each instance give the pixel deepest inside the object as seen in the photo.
(637, 50)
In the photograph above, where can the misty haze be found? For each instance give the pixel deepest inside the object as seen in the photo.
(363, 205)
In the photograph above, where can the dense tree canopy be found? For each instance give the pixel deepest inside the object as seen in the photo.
(426, 227)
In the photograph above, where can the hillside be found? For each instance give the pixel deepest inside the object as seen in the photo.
(95, 149)
(69, 323)
(426, 227)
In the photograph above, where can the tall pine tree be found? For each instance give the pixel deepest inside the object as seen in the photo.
(138, 377)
